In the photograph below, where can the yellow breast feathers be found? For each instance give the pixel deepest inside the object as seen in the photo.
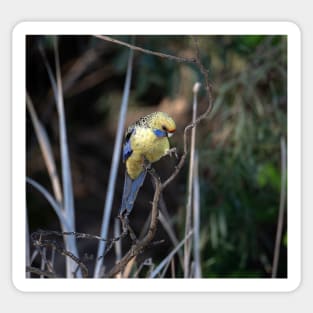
(147, 139)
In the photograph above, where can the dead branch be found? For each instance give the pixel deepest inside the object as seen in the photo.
(159, 54)
(35, 270)
(38, 242)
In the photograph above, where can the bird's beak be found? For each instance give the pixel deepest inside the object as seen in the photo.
(170, 134)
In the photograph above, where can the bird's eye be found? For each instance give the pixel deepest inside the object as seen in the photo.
(164, 128)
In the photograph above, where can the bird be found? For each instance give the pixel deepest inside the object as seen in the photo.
(146, 141)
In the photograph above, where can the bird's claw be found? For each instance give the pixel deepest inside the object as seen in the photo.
(172, 151)
(126, 227)
(124, 221)
(146, 165)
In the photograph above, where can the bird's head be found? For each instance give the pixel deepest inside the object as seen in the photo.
(164, 122)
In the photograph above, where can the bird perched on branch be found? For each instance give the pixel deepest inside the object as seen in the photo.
(145, 141)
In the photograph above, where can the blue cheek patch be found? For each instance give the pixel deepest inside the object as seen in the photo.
(159, 133)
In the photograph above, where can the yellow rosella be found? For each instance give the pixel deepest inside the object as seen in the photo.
(145, 140)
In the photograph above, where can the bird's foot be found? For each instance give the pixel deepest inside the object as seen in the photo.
(146, 165)
(172, 151)
(125, 222)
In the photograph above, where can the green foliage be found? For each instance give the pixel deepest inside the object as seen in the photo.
(268, 175)
(240, 153)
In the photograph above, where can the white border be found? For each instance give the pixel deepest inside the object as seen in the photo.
(152, 28)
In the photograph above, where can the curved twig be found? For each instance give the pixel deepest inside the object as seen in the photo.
(158, 54)
(38, 242)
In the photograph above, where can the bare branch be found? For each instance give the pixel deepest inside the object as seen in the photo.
(39, 242)
(159, 54)
(170, 256)
(118, 246)
(207, 84)
(35, 270)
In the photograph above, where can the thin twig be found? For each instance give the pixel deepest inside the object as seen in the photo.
(39, 242)
(110, 241)
(71, 233)
(118, 245)
(196, 60)
(169, 257)
(42, 253)
(167, 225)
(196, 220)
(33, 257)
(207, 84)
(280, 220)
(148, 262)
(162, 275)
(159, 54)
(35, 270)
(198, 119)
(44, 261)
(188, 218)
(170, 231)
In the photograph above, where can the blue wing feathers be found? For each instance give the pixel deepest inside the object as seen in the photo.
(126, 192)
(127, 150)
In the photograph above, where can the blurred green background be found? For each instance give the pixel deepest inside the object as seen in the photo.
(239, 145)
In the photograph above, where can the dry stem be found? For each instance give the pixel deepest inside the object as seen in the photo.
(159, 54)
